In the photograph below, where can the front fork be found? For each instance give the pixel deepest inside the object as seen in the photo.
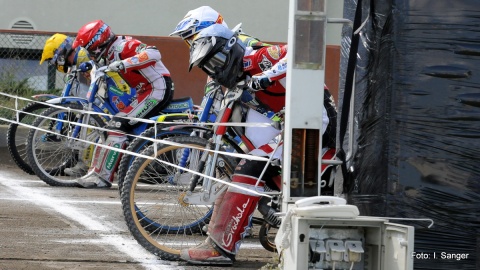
(208, 164)
(78, 137)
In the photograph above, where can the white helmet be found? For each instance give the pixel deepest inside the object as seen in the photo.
(196, 20)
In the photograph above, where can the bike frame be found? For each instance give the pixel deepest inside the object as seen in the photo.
(105, 108)
(207, 161)
(89, 104)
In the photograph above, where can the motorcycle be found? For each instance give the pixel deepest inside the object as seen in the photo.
(171, 212)
(185, 175)
(65, 134)
(16, 139)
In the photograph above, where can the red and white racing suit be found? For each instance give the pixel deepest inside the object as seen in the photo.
(271, 62)
(144, 71)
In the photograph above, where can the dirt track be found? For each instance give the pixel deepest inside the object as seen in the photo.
(44, 227)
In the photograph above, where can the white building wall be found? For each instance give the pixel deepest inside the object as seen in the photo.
(265, 19)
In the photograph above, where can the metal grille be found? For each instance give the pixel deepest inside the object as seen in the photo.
(22, 40)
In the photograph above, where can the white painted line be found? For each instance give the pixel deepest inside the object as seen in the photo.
(90, 222)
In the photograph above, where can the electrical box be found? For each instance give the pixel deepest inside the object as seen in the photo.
(333, 236)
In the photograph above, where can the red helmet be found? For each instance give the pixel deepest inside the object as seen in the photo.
(94, 36)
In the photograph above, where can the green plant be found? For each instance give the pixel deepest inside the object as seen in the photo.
(21, 88)
(9, 85)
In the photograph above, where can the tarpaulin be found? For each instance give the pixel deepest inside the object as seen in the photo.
(417, 123)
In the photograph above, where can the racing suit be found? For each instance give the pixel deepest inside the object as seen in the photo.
(143, 70)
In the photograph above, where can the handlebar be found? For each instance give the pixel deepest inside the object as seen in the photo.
(104, 69)
(74, 69)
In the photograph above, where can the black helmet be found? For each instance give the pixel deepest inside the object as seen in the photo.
(219, 53)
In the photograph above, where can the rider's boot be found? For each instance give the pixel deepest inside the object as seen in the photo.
(231, 215)
(78, 170)
(105, 162)
(248, 230)
(81, 167)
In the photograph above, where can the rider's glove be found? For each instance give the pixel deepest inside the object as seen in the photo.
(116, 66)
(85, 66)
(258, 82)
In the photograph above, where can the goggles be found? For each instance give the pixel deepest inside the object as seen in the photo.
(217, 60)
(59, 56)
(58, 63)
(60, 67)
(189, 41)
(187, 34)
(101, 49)
(51, 62)
(192, 27)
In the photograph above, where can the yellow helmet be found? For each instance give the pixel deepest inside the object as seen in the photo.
(56, 50)
(51, 45)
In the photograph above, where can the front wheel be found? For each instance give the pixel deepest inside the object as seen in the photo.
(17, 135)
(153, 197)
(52, 144)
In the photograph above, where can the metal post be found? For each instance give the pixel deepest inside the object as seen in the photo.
(304, 98)
(51, 75)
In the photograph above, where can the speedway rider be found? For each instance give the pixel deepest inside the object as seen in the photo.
(218, 51)
(200, 18)
(141, 67)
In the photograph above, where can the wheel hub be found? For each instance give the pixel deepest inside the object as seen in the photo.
(181, 199)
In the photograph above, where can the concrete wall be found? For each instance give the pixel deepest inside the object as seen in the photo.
(265, 19)
(153, 20)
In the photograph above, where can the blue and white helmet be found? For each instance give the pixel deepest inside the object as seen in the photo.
(196, 20)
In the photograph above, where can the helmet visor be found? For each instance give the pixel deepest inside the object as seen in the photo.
(218, 60)
(190, 26)
(183, 26)
(189, 41)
